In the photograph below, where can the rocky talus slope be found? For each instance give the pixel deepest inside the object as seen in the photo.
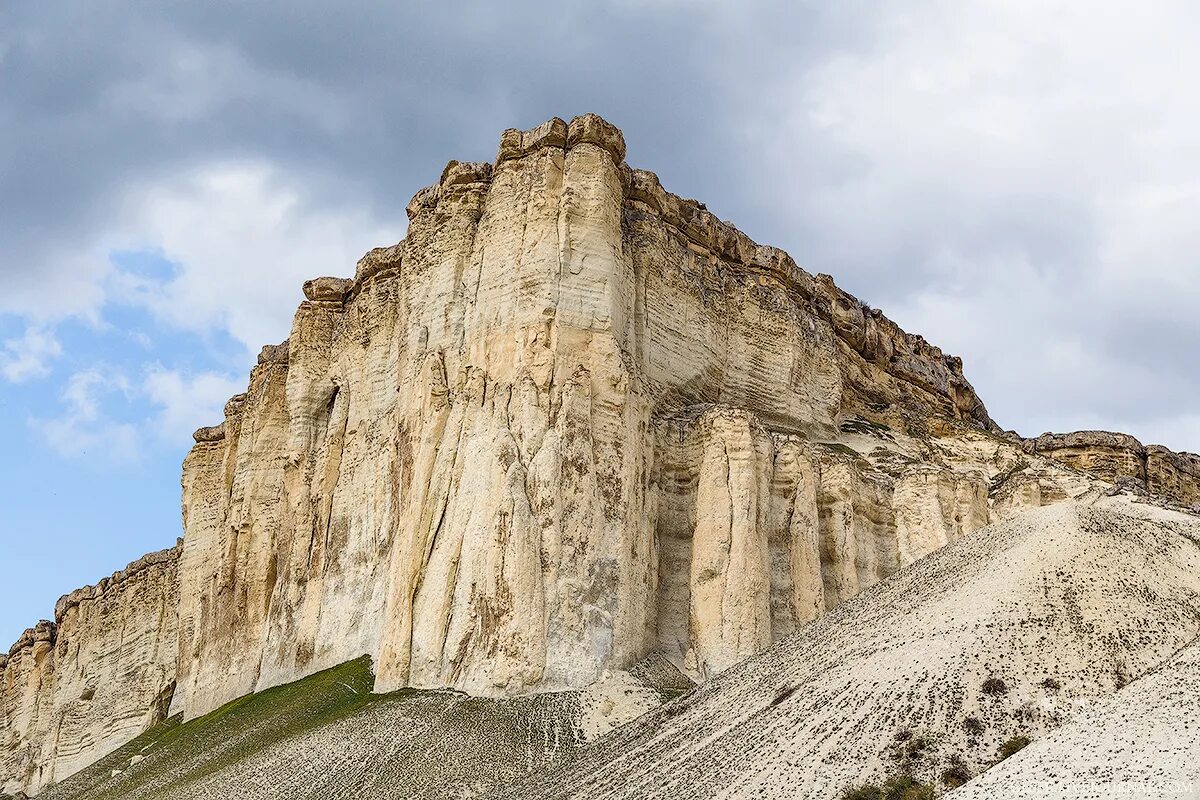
(941, 669)
(1140, 742)
(570, 423)
(329, 736)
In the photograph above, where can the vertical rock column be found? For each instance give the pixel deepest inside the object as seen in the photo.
(797, 592)
(730, 577)
(524, 551)
(232, 507)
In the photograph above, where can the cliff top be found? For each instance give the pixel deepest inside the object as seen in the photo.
(45, 630)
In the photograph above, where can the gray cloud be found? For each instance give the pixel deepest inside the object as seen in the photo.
(1017, 184)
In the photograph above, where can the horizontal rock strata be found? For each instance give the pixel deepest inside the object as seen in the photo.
(74, 689)
(1118, 457)
(570, 421)
(455, 463)
(1039, 619)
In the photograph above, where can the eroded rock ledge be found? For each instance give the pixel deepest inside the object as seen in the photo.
(1120, 458)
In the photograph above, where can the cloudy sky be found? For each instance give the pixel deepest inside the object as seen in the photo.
(1020, 182)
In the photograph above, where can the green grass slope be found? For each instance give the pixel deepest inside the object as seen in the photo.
(327, 737)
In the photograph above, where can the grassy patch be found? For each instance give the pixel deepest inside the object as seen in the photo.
(897, 787)
(178, 754)
(955, 775)
(1013, 746)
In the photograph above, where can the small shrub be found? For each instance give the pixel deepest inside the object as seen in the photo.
(973, 726)
(906, 787)
(995, 686)
(897, 787)
(908, 747)
(916, 747)
(1052, 684)
(1013, 745)
(956, 775)
(784, 694)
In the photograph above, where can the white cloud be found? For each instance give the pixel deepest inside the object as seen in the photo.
(187, 402)
(245, 237)
(167, 404)
(1019, 183)
(29, 356)
(83, 428)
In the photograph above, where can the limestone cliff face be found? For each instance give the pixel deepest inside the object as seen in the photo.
(456, 461)
(569, 421)
(760, 531)
(1118, 457)
(75, 689)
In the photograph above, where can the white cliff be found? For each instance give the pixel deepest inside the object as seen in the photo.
(570, 421)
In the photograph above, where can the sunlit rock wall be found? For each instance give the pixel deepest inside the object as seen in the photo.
(451, 463)
(75, 689)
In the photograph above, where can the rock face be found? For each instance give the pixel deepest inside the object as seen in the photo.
(566, 421)
(327, 735)
(1118, 457)
(104, 671)
(570, 421)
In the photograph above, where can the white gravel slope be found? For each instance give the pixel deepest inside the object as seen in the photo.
(1005, 633)
(1143, 742)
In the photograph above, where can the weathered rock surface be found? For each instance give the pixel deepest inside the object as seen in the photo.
(1118, 457)
(1006, 633)
(103, 672)
(570, 421)
(567, 421)
(328, 736)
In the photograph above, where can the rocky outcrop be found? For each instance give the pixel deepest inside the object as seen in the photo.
(1042, 618)
(1120, 458)
(454, 464)
(75, 689)
(759, 532)
(570, 421)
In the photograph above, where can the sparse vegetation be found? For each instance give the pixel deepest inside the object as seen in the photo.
(909, 749)
(243, 726)
(916, 748)
(866, 427)
(1017, 467)
(973, 725)
(897, 787)
(784, 694)
(1013, 745)
(842, 449)
(955, 775)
